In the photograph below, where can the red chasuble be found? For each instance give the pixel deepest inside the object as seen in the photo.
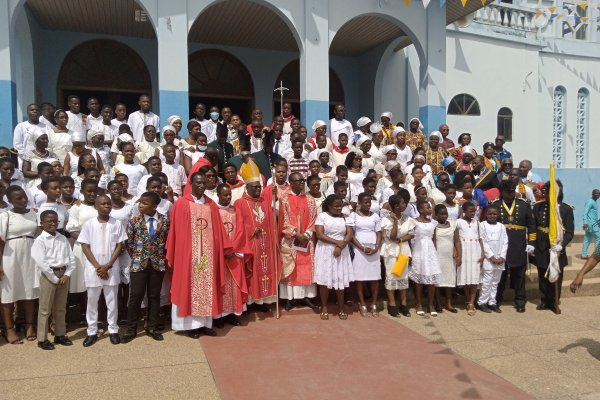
(236, 288)
(297, 214)
(196, 248)
(260, 265)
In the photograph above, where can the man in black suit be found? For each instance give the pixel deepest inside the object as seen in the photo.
(550, 292)
(224, 148)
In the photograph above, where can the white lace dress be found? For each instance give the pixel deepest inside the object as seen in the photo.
(425, 265)
(469, 272)
(330, 271)
(366, 267)
(390, 249)
(444, 237)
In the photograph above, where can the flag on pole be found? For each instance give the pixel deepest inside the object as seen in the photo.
(426, 3)
(406, 3)
(464, 2)
(555, 228)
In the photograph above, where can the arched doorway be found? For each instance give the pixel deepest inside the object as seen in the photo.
(96, 68)
(290, 76)
(217, 78)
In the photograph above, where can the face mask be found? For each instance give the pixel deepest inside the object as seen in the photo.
(214, 116)
(202, 148)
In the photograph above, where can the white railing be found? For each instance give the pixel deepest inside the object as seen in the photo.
(507, 15)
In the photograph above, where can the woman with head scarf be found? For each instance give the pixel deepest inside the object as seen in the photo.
(415, 137)
(387, 128)
(434, 153)
(38, 154)
(176, 122)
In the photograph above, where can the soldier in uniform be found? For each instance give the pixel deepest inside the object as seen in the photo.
(550, 292)
(518, 219)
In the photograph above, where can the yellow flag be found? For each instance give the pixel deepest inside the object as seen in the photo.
(464, 2)
(583, 5)
(552, 194)
(483, 2)
(538, 12)
(552, 9)
(406, 3)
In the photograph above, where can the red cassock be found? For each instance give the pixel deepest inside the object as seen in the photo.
(196, 247)
(263, 258)
(236, 287)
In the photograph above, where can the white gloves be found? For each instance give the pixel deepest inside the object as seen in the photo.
(557, 248)
(529, 249)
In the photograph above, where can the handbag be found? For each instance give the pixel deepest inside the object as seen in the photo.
(400, 264)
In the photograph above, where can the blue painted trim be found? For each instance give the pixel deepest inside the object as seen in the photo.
(577, 185)
(173, 102)
(432, 117)
(8, 111)
(312, 110)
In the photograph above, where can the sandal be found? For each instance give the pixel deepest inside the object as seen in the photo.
(470, 310)
(324, 316)
(404, 311)
(374, 311)
(342, 315)
(363, 311)
(30, 338)
(18, 340)
(452, 310)
(420, 312)
(434, 313)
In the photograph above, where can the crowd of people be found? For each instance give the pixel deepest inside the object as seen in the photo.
(201, 226)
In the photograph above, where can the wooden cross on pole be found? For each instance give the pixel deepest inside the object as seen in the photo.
(281, 89)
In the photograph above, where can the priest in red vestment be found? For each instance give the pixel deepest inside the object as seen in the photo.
(196, 248)
(262, 266)
(236, 288)
(297, 216)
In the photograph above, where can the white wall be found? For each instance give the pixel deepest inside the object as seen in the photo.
(394, 86)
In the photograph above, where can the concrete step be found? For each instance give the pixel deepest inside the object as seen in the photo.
(569, 273)
(591, 287)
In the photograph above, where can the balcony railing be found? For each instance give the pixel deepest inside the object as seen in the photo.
(507, 15)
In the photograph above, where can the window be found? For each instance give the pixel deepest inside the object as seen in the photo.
(463, 104)
(505, 116)
(559, 126)
(582, 128)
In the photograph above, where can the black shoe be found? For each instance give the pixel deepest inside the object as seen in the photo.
(160, 327)
(393, 311)
(289, 305)
(207, 331)
(114, 338)
(404, 311)
(46, 345)
(521, 309)
(156, 335)
(62, 340)
(311, 305)
(484, 308)
(542, 306)
(218, 323)
(232, 320)
(262, 308)
(128, 337)
(194, 333)
(90, 340)
(495, 308)
(556, 310)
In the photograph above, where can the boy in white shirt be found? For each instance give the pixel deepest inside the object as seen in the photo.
(102, 241)
(147, 147)
(55, 262)
(143, 117)
(175, 172)
(51, 187)
(77, 121)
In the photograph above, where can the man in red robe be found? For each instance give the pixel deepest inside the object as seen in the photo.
(259, 220)
(236, 288)
(297, 216)
(196, 248)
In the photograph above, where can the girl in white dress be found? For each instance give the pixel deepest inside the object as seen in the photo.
(355, 176)
(60, 136)
(122, 212)
(168, 138)
(446, 243)
(129, 167)
(425, 265)
(366, 241)
(471, 255)
(80, 213)
(398, 231)
(333, 265)
(452, 206)
(17, 228)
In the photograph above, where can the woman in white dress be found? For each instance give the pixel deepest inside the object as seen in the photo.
(471, 255)
(333, 265)
(454, 211)
(368, 161)
(60, 136)
(37, 155)
(78, 141)
(366, 241)
(355, 175)
(17, 272)
(425, 265)
(168, 133)
(130, 167)
(446, 244)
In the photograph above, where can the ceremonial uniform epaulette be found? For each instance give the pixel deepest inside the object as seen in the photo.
(567, 204)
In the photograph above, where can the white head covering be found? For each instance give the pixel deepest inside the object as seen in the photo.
(421, 127)
(36, 134)
(314, 155)
(168, 128)
(317, 124)
(93, 133)
(438, 134)
(387, 148)
(388, 115)
(467, 149)
(397, 130)
(362, 139)
(419, 156)
(173, 118)
(124, 137)
(362, 121)
(375, 127)
(78, 137)
(391, 165)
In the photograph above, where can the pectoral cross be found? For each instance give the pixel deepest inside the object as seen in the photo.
(281, 89)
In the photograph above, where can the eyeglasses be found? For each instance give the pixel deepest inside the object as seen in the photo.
(298, 181)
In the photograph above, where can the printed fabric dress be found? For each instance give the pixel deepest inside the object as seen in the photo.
(366, 267)
(425, 265)
(444, 237)
(469, 272)
(333, 272)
